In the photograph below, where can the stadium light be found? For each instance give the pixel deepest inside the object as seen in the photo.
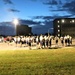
(15, 22)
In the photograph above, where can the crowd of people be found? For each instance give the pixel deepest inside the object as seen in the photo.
(41, 42)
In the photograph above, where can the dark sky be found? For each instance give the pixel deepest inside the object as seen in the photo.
(39, 14)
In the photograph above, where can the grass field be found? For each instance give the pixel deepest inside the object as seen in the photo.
(38, 62)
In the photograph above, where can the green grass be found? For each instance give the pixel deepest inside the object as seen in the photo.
(38, 62)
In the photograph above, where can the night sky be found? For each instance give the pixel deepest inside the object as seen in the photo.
(38, 14)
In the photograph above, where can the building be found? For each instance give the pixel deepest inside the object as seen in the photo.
(8, 29)
(64, 26)
(23, 30)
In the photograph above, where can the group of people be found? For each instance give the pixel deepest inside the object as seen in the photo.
(42, 41)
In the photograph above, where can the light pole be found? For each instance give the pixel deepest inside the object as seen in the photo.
(15, 22)
(49, 29)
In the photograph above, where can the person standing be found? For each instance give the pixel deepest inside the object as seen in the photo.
(62, 40)
(56, 40)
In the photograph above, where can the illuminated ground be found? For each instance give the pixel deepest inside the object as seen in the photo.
(12, 46)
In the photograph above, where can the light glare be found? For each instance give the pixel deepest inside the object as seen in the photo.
(15, 22)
